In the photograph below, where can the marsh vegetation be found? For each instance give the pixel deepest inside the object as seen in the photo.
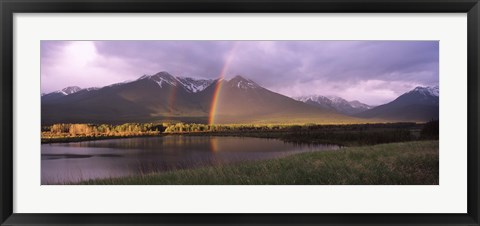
(385, 164)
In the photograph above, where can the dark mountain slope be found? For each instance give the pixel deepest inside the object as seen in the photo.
(418, 105)
(163, 97)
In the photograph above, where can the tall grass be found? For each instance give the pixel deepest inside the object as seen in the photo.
(411, 163)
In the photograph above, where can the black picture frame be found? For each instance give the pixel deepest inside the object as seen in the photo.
(10, 7)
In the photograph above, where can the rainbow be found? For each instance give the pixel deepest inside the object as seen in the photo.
(213, 144)
(218, 87)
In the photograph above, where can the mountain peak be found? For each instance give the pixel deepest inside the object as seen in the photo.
(431, 91)
(243, 83)
(417, 105)
(191, 85)
(163, 74)
(69, 90)
(161, 78)
(239, 78)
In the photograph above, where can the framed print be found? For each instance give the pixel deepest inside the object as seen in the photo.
(231, 112)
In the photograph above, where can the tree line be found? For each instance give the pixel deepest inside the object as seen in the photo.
(360, 134)
(127, 129)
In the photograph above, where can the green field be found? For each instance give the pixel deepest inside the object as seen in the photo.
(412, 163)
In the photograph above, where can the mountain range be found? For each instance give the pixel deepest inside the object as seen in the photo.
(335, 103)
(164, 97)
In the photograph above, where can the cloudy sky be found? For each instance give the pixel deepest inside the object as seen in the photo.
(373, 72)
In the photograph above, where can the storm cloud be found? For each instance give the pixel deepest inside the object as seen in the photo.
(373, 72)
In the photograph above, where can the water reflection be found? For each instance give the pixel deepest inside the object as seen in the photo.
(71, 162)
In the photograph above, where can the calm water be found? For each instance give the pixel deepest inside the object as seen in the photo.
(70, 162)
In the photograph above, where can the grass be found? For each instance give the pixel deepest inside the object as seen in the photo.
(406, 163)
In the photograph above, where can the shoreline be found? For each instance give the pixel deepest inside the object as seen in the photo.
(91, 138)
(264, 135)
(344, 135)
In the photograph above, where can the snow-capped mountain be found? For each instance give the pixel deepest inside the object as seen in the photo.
(194, 85)
(243, 83)
(165, 97)
(419, 95)
(69, 90)
(427, 91)
(315, 98)
(60, 93)
(419, 104)
(359, 105)
(64, 92)
(161, 78)
(190, 84)
(335, 103)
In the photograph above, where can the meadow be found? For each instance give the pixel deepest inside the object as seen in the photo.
(405, 163)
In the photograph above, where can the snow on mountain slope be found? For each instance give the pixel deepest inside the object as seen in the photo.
(243, 83)
(91, 88)
(358, 104)
(161, 78)
(431, 91)
(69, 90)
(194, 85)
(336, 103)
(190, 84)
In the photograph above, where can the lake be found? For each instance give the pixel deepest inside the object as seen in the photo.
(73, 162)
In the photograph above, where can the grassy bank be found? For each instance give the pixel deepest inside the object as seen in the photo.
(385, 164)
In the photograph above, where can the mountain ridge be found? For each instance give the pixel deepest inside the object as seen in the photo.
(166, 97)
(420, 104)
(335, 103)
